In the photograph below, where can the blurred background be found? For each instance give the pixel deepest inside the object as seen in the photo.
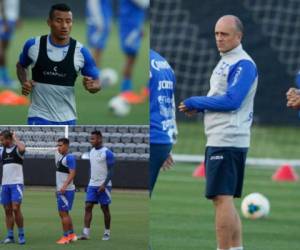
(183, 32)
(92, 109)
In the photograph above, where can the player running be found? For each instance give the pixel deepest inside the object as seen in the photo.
(56, 60)
(9, 17)
(65, 189)
(99, 188)
(12, 156)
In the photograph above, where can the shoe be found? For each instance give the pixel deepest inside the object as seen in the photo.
(83, 237)
(8, 240)
(106, 236)
(22, 240)
(132, 98)
(63, 240)
(72, 237)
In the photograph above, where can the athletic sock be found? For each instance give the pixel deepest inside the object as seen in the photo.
(10, 233)
(70, 231)
(66, 233)
(21, 231)
(86, 231)
(107, 231)
(237, 248)
(126, 85)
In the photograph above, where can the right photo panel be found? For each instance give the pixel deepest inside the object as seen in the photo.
(224, 101)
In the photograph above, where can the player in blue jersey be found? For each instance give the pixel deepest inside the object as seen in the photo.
(55, 61)
(9, 17)
(99, 188)
(98, 19)
(65, 189)
(228, 114)
(12, 156)
(163, 128)
(131, 20)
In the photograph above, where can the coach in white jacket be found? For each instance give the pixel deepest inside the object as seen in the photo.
(228, 112)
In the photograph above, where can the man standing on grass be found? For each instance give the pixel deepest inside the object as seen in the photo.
(102, 161)
(65, 189)
(12, 155)
(56, 60)
(163, 129)
(228, 113)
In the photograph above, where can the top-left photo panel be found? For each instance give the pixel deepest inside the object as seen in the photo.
(74, 62)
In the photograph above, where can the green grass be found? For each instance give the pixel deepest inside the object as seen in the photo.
(266, 141)
(92, 109)
(129, 230)
(181, 218)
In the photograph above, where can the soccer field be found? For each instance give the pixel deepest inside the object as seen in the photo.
(129, 231)
(181, 218)
(92, 109)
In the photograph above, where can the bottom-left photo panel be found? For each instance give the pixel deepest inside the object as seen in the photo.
(81, 186)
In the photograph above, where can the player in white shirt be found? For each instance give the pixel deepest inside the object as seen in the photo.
(99, 189)
(65, 189)
(11, 156)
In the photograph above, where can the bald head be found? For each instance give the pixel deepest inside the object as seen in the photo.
(228, 33)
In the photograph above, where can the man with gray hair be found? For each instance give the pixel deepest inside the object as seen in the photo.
(228, 113)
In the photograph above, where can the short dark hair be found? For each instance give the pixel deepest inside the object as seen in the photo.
(60, 7)
(97, 132)
(7, 134)
(65, 141)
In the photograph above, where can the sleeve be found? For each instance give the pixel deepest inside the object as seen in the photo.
(89, 68)
(241, 77)
(298, 79)
(110, 159)
(24, 58)
(1, 151)
(71, 161)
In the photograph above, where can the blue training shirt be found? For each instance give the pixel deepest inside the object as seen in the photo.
(162, 105)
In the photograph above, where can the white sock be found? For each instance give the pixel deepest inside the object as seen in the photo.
(223, 249)
(107, 231)
(236, 248)
(86, 231)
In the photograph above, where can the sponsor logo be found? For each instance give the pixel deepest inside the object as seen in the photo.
(216, 157)
(54, 72)
(165, 85)
(158, 65)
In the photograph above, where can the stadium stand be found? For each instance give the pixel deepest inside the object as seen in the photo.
(129, 144)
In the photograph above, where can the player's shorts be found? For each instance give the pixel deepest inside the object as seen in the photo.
(96, 197)
(131, 27)
(65, 201)
(98, 32)
(12, 194)
(7, 31)
(42, 121)
(224, 168)
(158, 154)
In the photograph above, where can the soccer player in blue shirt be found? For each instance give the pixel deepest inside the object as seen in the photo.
(12, 156)
(228, 114)
(131, 20)
(55, 60)
(65, 189)
(163, 129)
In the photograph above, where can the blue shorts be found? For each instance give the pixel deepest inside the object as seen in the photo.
(131, 27)
(7, 34)
(158, 154)
(97, 34)
(224, 168)
(42, 121)
(65, 201)
(12, 194)
(95, 197)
